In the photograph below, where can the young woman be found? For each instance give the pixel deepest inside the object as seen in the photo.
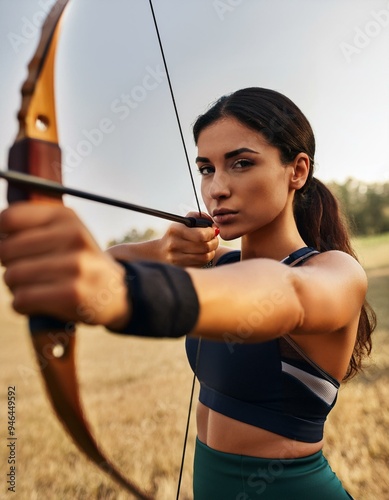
(271, 330)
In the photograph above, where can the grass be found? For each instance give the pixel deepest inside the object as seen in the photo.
(357, 444)
(136, 395)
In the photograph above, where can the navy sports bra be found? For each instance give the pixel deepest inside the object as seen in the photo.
(273, 385)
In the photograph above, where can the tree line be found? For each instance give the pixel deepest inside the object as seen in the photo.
(365, 205)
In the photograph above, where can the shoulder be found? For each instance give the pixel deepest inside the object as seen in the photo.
(337, 264)
(331, 287)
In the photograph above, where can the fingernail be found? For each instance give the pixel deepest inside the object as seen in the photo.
(217, 231)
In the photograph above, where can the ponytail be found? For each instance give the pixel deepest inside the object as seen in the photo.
(323, 226)
(319, 219)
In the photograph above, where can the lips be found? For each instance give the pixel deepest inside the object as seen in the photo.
(224, 216)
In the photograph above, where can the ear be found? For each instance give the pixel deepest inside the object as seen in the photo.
(301, 165)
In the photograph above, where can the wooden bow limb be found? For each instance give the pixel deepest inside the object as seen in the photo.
(36, 151)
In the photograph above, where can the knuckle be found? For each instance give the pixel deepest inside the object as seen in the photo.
(20, 301)
(211, 246)
(211, 255)
(171, 249)
(8, 277)
(11, 277)
(192, 214)
(73, 294)
(174, 230)
(206, 258)
(170, 259)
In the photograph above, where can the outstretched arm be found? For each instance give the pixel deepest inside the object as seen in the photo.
(261, 299)
(54, 267)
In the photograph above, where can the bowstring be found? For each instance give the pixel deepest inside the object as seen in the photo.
(198, 207)
(175, 106)
(188, 419)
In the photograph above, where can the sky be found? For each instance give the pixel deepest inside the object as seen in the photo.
(117, 125)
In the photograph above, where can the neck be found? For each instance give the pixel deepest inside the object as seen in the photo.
(274, 241)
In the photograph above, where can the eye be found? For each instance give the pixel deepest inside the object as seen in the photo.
(206, 170)
(242, 163)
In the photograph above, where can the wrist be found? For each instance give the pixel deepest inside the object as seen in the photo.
(162, 301)
(121, 314)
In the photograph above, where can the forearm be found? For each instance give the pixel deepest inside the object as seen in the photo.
(145, 250)
(252, 301)
(180, 246)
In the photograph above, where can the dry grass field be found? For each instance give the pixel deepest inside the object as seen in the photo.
(136, 396)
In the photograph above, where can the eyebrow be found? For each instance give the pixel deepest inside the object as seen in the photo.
(230, 154)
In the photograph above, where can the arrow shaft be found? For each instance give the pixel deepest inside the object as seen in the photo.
(50, 187)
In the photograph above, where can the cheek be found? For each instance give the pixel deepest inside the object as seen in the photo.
(267, 197)
(205, 192)
(273, 187)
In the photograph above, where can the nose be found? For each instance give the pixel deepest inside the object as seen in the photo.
(219, 186)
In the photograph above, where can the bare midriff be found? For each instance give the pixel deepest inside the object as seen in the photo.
(225, 434)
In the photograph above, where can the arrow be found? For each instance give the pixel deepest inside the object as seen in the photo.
(32, 182)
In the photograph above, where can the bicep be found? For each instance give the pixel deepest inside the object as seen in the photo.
(331, 288)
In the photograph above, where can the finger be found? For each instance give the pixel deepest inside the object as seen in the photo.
(45, 235)
(201, 247)
(202, 215)
(193, 260)
(30, 243)
(24, 215)
(46, 299)
(191, 234)
(214, 226)
(186, 247)
(40, 270)
(95, 296)
(199, 215)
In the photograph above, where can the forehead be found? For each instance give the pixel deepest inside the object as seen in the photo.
(229, 133)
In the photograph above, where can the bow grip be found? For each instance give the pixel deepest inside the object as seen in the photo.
(45, 324)
(34, 157)
(41, 158)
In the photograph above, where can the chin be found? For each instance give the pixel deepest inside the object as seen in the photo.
(230, 234)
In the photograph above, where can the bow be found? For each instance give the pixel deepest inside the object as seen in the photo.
(36, 151)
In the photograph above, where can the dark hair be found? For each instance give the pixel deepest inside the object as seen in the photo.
(317, 213)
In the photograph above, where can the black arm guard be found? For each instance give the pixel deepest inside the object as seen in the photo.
(164, 301)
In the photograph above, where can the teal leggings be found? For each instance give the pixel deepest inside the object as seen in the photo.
(226, 476)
